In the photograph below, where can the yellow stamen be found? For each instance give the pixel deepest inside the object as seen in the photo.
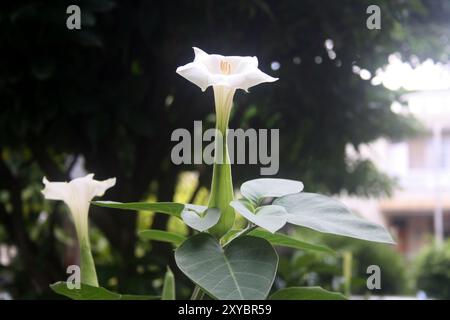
(225, 67)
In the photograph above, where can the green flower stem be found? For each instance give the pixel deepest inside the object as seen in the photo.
(222, 185)
(88, 273)
(197, 294)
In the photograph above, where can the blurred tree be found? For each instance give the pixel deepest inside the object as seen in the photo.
(325, 270)
(432, 270)
(109, 94)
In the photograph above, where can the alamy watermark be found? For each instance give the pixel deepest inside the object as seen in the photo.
(74, 20)
(374, 280)
(74, 279)
(373, 22)
(189, 149)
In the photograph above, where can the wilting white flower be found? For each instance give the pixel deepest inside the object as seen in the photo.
(77, 194)
(233, 72)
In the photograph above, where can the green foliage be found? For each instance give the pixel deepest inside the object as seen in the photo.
(394, 269)
(282, 240)
(327, 215)
(87, 292)
(170, 208)
(200, 220)
(168, 292)
(433, 271)
(243, 270)
(309, 210)
(312, 268)
(96, 95)
(306, 293)
(256, 190)
(161, 235)
(269, 217)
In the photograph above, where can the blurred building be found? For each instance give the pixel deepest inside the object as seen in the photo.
(420, 207)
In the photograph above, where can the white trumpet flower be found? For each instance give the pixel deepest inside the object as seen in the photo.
(232, 72)
(225, 74)
(77, 194)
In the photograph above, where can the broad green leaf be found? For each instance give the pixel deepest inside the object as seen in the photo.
(170, 208)
(87, 292)
(258, 189)
(200, 218)
(160, 235)
(306, 293)
(168, 292)
(244, 270)
(271, 217)
(283, 240)
(327, 215)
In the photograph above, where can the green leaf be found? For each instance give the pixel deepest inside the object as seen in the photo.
(327, 215)
(200, 218)
(170, 208)
(168, 292)
(87, 292)
(283, 240)
(160, 235)
(269, 217)
(138, 297)
(244, 270)
(258, 189)
(306, 293)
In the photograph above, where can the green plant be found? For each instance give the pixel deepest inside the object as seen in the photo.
(224, 263)
(433, 270)
(315, 268)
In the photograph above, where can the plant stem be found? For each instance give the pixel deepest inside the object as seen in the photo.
(87, 265)
(222, 192)
(197, 294)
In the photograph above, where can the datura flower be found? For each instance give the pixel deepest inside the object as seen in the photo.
(225, 74)
(77, 194)
(232, 72)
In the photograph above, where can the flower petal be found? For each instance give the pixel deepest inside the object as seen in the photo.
(55, 190)
(249, 79)
(79, 190)
(86, 188)
(196, 73)
(239, 72)
(77, 194)
(102, 186)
